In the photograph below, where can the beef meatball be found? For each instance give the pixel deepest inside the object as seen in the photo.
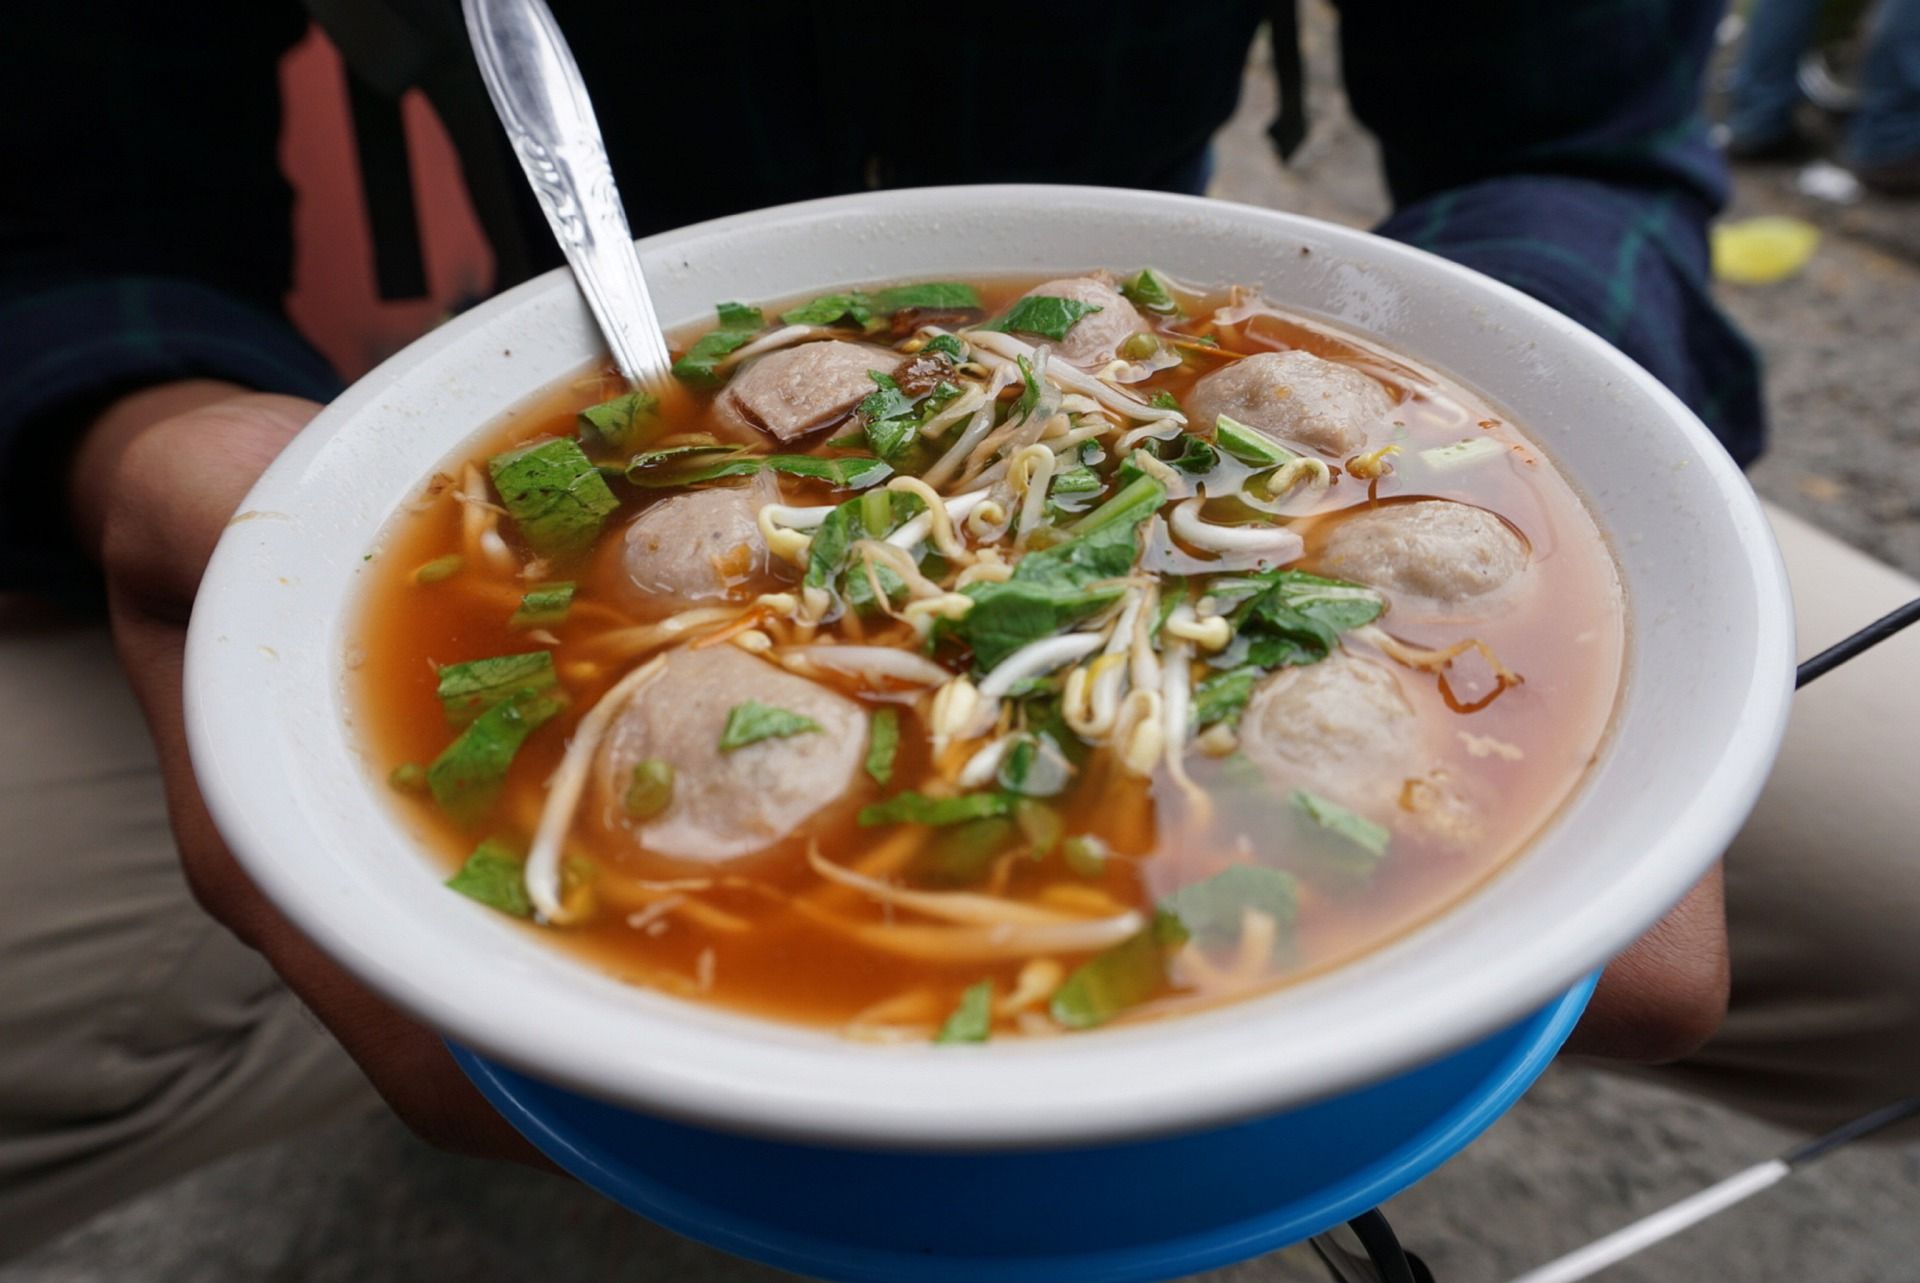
(1340, 728)
(728, 803)
(1436, 549)
(1296, 398)
(1095, 338)
(802, 389)
(703, 545)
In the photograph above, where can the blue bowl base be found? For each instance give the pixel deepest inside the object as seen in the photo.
(1144, 1210)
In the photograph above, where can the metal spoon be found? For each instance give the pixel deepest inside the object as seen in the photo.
(536, 87)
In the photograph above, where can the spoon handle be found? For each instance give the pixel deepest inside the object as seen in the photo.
(536, 88)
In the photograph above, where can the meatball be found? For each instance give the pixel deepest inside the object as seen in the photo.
(803, 389)
(698, 546)
(1340, 727)
(1444, 551)
(1294, 397)
(1096, 337)
(733, 802)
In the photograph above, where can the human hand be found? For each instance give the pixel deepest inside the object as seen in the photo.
(1666, 994)
(154, 484)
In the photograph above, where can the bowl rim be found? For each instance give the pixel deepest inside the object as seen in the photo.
(1102, 1087)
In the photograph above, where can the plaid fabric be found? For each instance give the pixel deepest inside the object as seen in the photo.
(1556, 146)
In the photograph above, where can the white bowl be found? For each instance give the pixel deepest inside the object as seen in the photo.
(1704, 704)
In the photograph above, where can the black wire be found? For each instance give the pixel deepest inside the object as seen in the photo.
(1870, 636)
(1860, 1128)
(1383, 1248)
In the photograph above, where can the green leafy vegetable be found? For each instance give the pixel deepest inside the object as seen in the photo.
(693, 464)
(861, 308)
(1223, 696)
(1164, 400)
(494, 875)
(1293, 617)
(1123, 976)
(751, 722)
(466, 778)
(1195, 456)
(554, 494)
(1249, 445)
(1338, 820)
(543, 606)
(962, 854)
(873, 515)
(470, 689)
(1030, 396)
(650, 791)
(1081, 480)
(888, 414)
(622, 423)
(1054, 588)
(1149, 293)
(947, 345)
(883, 741)
(1035, 767)
(927, 296)
(739, 325)
(972, 1020)
(1044, 315)
(918, 808)
(1211, 910)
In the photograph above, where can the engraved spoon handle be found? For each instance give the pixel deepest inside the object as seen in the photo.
(543, 104)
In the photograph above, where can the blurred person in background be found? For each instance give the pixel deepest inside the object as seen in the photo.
(1883, 138)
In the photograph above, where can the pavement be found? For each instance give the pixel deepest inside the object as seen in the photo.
(1584, 1152)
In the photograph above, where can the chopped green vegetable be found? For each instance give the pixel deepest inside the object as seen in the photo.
(1462, 454)
(543, 606)
(1149, 292)
(494, 876)
(1138, 346)
(739, 325)
(1054, 588)
(947, 345)
(687, 465)
(408, 777)
(651, 789)
(972, 1020)
(873, 515)
(861, 308)
(554, 494)
(927, 296)
(1081, 480)
(440, 568)
(1222, 696)
(1211, 911)
(466, 778)
(1293, 617)
(1039, 824)
(1195, 457)
(1044, 315)
(1164, 400)
(470, 689)
(888, 415)
(1034, 767)
(918, 808)
(963, 854)
(1086, 855)
(883, 741)
(1336, 819)
(1123, 976)
(622, 423)
(1249, 445)
(751, 722)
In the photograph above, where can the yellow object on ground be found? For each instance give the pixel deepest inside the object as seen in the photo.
(1762, 251)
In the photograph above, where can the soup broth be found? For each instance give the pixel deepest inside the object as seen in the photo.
(1298, 657)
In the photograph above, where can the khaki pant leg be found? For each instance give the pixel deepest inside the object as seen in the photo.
(1823, 883)
(137, 1038)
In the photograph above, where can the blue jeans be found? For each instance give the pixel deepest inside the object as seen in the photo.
(1766, 91)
